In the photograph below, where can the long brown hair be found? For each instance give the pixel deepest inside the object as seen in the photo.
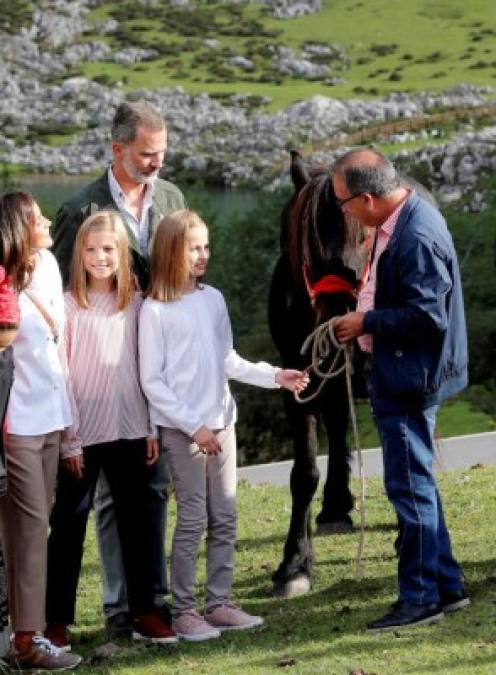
(16, 215)
(169, 269)
(123, 283)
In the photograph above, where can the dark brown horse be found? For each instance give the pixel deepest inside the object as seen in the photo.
(313, 250)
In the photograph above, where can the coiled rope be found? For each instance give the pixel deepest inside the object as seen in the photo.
(322, 340)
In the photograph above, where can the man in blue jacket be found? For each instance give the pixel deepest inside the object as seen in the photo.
(411, 314)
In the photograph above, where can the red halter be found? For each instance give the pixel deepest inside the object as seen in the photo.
(329, 284)
(332, 284)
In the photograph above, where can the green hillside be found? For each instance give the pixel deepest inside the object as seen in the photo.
(392, 45)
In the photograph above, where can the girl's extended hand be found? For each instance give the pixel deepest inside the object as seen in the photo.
(152, 450)
(207, 441)
(74, 465)
(294, 380)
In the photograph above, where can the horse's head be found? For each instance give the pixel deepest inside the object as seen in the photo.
(317, 242)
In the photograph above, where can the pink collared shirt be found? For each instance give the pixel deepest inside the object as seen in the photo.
(366, 296)
(101, 344)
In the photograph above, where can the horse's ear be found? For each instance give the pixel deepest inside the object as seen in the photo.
(299, 172)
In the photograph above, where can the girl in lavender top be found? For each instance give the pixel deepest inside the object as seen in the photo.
(186, 359)
(110, 432)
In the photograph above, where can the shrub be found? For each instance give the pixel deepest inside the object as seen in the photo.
(168, 48)
(223, 73)
(478, 65)
(435, 56)
(15, 15)
(384, 50)
(103, 79)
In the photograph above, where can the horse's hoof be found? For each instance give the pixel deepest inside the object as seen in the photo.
(334, 527)
(293, 588)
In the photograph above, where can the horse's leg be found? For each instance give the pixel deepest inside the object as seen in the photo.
(337, 499)
(294, 573)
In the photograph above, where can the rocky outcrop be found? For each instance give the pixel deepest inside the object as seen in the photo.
(281, 9)
(288, 9)
(87, 51)
(58, 23)
(229, 142)
(225, 143)
(240, 62)
(134, 55)
(288, 63)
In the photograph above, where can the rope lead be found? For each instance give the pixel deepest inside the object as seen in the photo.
(322, 340)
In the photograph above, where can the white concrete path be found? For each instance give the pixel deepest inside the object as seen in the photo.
(457, 452)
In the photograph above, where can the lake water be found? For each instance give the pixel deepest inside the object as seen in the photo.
(52, 191)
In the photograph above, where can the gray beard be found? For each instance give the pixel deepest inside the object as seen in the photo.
(136, 175)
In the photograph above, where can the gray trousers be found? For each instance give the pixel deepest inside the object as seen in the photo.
(32, 463)
(205, 487)
(114, 583)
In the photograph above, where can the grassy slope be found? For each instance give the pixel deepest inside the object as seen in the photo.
(419, 28)
(435, 34)
(325, 631)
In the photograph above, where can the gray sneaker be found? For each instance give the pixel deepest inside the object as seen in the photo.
(192, 627)
(42, 655)
(230, 617)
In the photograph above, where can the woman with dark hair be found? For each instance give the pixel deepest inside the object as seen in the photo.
(14, 265)
(37, 411)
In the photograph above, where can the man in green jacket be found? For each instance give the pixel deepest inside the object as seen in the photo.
(131, 186)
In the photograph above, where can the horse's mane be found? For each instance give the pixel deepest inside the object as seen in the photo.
(316, 236)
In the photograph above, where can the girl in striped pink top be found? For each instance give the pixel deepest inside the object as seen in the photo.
(110, 433)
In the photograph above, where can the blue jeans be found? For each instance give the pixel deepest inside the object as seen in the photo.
(426, 567)
(114, 582)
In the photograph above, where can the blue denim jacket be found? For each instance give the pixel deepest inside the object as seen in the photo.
(418, 321)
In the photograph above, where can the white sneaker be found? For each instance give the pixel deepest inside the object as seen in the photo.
(192, 627)
(230, 617)
(42, 655)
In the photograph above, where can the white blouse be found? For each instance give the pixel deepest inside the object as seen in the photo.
(186, 358)
(38, 401)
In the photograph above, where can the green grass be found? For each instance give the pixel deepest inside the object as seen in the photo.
(324, 632)
(392, 148)
(58, 140)
(418, 28)
(394, 46)
(7, 170)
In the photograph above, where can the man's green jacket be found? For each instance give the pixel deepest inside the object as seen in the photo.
(97, 197)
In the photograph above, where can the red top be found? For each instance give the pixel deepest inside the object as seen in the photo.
(9, 300)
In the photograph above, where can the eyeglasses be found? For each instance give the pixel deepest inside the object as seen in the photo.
(340, 202)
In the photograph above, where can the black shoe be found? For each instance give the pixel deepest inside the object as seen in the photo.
(403, 614)
(119, 625)
(452, 602)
